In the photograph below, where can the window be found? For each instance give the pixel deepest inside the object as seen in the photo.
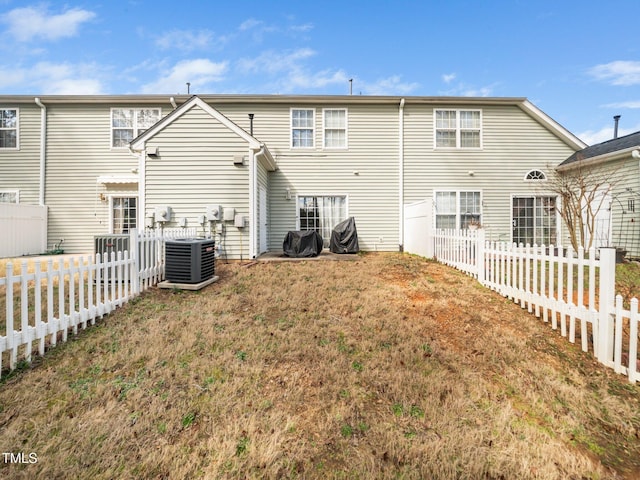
(124, 212)
(335, 128)
(302, 127)
(535, 176)
(128, 123)
(534, 220)
(457, 210)
(8, 128)
(321, 214)
(9, 196)
(458, 128)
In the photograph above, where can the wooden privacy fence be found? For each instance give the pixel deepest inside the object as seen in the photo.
(74, 292)
(572, 290)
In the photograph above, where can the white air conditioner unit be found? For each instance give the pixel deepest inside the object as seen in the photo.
(163, 214)
(214, 213)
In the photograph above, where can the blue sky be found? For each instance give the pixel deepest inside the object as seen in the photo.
(579, 61)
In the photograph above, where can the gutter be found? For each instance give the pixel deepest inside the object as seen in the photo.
(43, 148)
(401, 176)
(597, 160)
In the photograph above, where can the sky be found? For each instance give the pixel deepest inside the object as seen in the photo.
(578, 61)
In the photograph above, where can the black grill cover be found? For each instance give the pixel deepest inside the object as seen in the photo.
(306, 243)
(344, 237)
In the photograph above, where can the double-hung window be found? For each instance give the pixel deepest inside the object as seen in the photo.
(128, 123)
(9, 128)
(458, 128)
(302, 127)
(457, 209)
(335, 128)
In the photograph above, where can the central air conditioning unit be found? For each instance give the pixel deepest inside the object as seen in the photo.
(189, 260)
(105, 245)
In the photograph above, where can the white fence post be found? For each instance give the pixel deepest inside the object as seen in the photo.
(134, 254)
(480, 260)
(606, 304)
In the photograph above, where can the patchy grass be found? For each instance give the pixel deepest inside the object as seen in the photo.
(388, 367)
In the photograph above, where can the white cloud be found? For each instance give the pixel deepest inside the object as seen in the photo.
(188, 40)
(591, 137)
(291, 70)
(250, 24)
(198, 72)
(448, 77)
(392, 85)
(624, 73)
(630, 104)
(462, 89)
(273, 62)
(29, 23)
(55, 78)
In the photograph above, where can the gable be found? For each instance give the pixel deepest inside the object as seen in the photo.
(194, 102)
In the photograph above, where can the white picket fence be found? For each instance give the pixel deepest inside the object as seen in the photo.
(87, 289)
(569, 289)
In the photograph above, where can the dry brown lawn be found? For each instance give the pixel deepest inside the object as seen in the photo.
(387, 367)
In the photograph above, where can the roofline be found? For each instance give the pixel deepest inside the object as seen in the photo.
(597, 160)
(267, 98)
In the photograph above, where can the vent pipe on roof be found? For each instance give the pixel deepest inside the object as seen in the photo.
(251, 124)
(616, 119)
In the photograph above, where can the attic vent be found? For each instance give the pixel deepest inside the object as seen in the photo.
(535, 176)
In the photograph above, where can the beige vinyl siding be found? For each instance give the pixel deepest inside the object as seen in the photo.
(513, 144)
(372, 152)
(194, 169)
(20, 169)
(625, 222)
(79, 151)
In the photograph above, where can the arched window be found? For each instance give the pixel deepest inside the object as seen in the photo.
(535, 176)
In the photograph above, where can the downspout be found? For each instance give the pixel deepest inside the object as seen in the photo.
(401, 176)
(253, 214)
(173, 102)
(142, 165)
(43, 148)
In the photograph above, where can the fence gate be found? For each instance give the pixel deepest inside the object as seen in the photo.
(418, 228)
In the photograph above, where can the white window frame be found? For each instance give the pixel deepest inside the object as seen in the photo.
(292, 128)
(112, 197)
(137, 130)
(11, 192)
(536, 171)
(457, 128)
(558, 219)
(303, 195)
(325, 129)
(16, 128)
(458, 213)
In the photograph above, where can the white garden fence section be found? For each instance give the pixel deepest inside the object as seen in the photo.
(573, 291)
(24, 229)
(74, 292)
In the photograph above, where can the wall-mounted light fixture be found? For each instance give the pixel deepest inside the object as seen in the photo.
(287, 194)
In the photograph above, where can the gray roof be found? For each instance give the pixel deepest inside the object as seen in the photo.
(610, 146)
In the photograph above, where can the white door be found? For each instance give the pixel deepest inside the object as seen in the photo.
(262, 221)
